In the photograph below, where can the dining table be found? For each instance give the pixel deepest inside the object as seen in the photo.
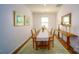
(43, 40)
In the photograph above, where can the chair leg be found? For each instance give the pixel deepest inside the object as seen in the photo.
(36, 46)
(53, 41)
(53, 44)
(33, 43)
(49, 45)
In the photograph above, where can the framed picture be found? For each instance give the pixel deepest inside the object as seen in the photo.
(27, 20)
(66, 20)
(18, 19)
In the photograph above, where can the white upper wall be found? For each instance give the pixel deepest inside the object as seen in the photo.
(37, 19)
(74, 10)
(12, 37)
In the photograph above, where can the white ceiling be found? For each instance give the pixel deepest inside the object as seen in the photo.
(44, 8)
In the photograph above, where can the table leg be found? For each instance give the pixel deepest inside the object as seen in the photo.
(68, 41)
(36, 45)
(48, 45)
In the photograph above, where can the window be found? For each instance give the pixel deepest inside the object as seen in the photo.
(44, 21)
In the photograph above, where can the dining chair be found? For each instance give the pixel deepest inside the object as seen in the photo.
(52, 33)
(33, 32)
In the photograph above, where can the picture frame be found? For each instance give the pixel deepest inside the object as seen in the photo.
(66, 20)
(27, 20)
(18, 19)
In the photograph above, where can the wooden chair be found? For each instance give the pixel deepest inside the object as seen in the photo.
(52, 33)
(33, 31)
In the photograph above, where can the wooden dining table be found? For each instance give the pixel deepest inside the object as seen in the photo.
(43, 40)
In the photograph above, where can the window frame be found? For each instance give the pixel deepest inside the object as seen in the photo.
(43, 22)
